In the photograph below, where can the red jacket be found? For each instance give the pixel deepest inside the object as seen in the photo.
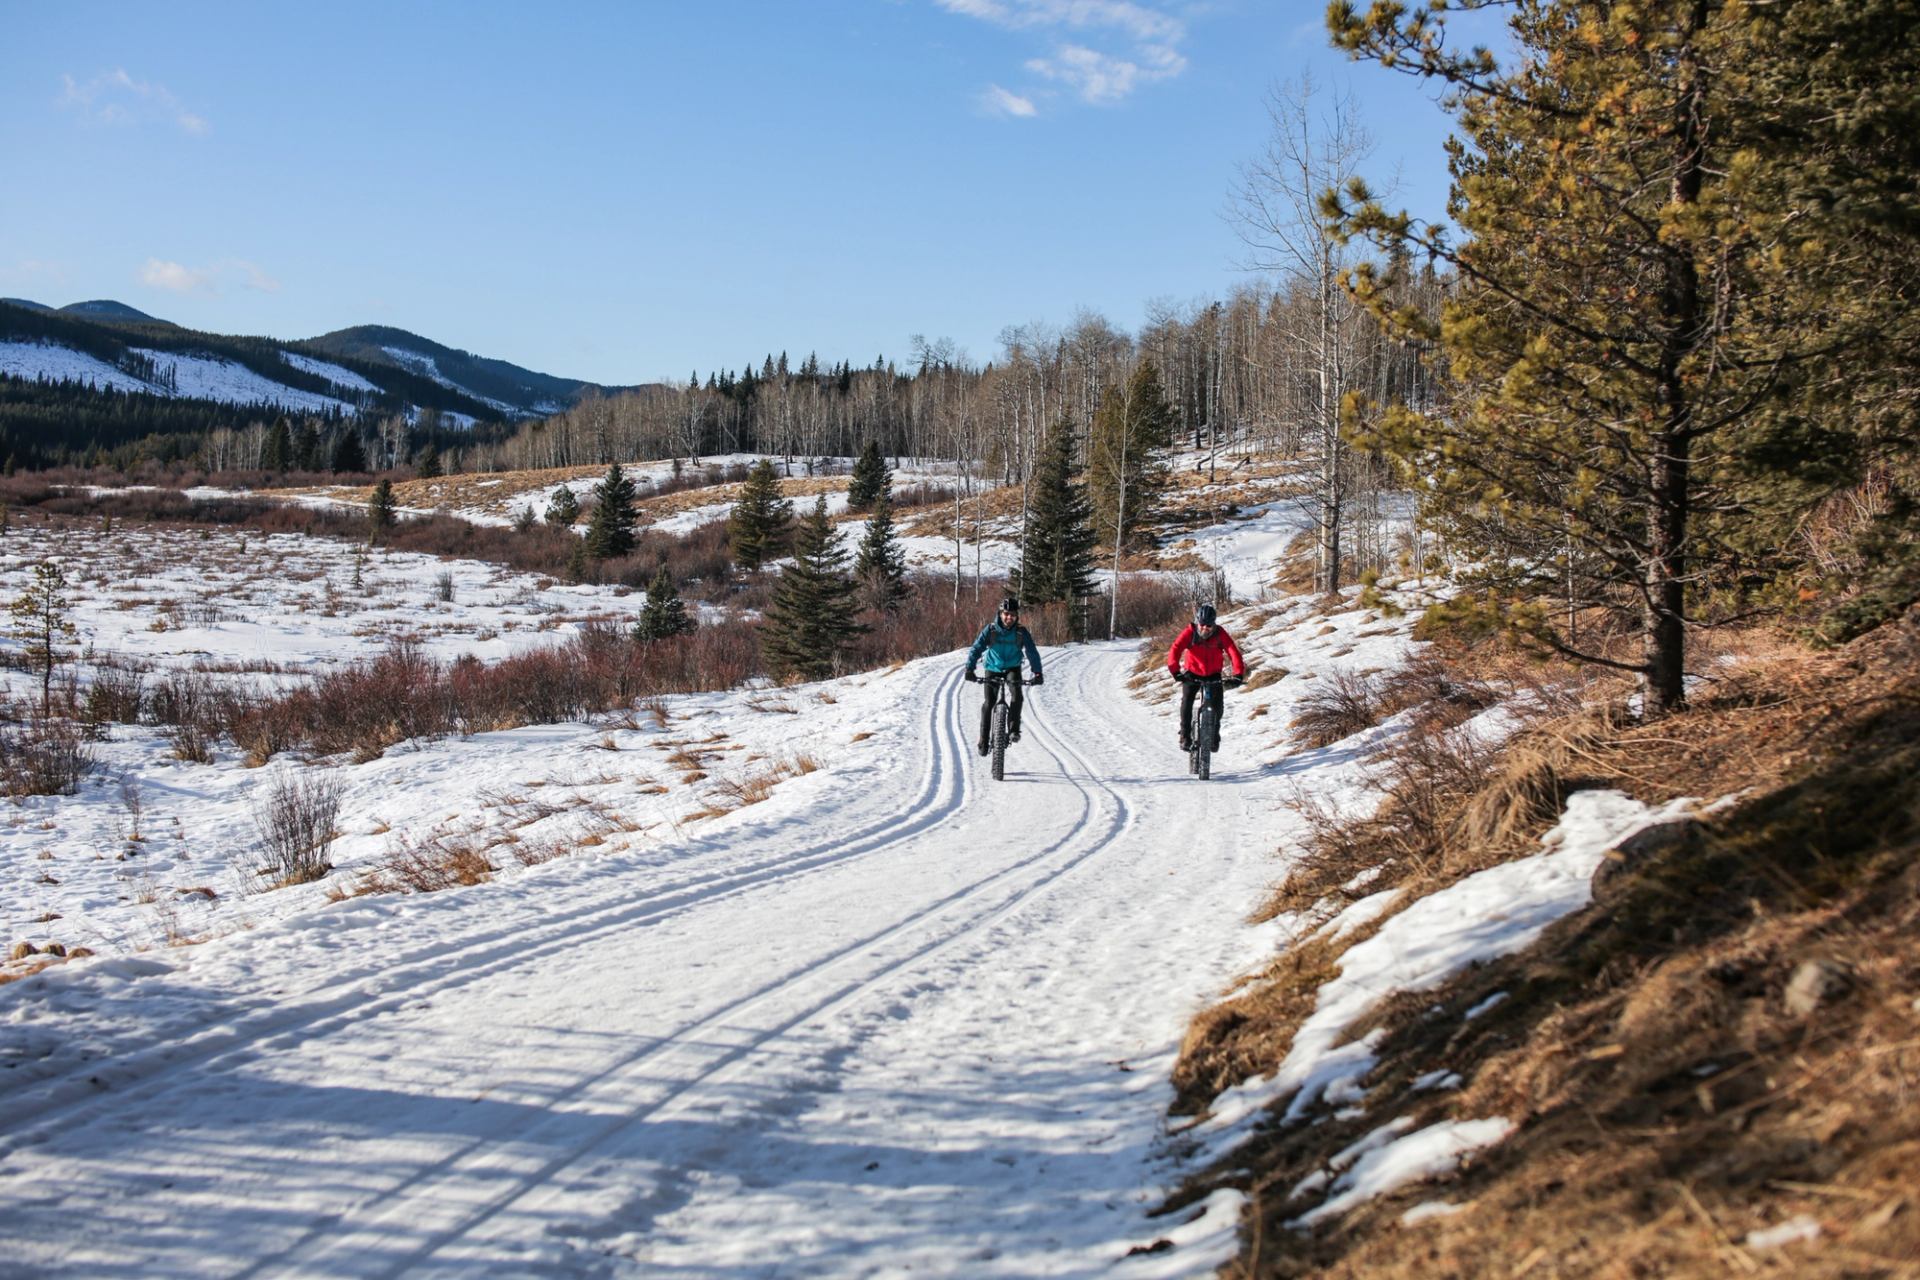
(1205, 657)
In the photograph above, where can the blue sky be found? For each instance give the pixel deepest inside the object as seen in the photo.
(621, 192)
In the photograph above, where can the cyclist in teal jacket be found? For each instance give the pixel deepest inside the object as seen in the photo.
(1004, 642)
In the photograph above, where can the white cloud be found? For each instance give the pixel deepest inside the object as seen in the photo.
(1002, 102)
(1148, 39)
(175, 277)
(114, 97)
(1101, 79)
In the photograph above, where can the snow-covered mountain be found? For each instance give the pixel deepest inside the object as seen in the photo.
(108, 346)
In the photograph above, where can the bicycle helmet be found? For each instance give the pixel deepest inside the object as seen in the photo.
(1010, 604)
(1204, 616)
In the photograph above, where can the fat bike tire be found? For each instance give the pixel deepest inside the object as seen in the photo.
(1203, 746)
(999, 742)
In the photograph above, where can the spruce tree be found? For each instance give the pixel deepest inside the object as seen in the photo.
(880, 568)
(348, 453)
(664, 614)
(427, 465)
(809, 621)
(277, 454)
(1131, 432)
(42, 619)
(871, 480)
(1057, 561)
(563, 508)
(380, 513)
(610, 529)
(306, 450)
(758, 528)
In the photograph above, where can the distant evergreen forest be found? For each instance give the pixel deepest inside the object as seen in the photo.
(73, 423)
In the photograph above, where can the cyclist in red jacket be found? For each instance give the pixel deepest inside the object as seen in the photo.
(1202, 651)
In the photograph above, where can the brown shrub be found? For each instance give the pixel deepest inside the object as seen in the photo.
(43, 757)
(295, 822)
(1341, 704)
(116, 695)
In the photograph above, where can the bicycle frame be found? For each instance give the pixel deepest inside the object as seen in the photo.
(1208, 702)
(999, 683)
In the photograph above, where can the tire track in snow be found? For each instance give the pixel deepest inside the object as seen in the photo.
(495, 1183)
(460, 961)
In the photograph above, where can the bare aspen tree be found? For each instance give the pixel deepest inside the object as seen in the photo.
(1316, 144)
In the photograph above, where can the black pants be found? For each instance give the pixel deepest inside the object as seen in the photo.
(1214, 699)
(992, 686)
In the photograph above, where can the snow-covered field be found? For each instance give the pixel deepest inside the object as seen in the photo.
(225, 599)
(767, 982)
(893, 1015)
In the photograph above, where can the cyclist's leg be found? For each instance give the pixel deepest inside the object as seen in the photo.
(1187, 690)
(1019, 701)
(1217, 698)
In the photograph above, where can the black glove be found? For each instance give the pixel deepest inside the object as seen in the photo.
(1181, 677)
(1037, 679)
(972, 678)
(1234, 682)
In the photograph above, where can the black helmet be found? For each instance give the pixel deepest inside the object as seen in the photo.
(1010, 604)
(1204, 616)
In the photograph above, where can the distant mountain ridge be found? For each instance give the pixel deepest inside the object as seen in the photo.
(364, 369)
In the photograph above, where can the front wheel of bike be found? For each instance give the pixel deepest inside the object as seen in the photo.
(999, 742)
(1203, 745)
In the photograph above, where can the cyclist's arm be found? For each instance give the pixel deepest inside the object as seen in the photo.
(1033, 654)
(979, 647)
(1180, 644)
(1233, 651)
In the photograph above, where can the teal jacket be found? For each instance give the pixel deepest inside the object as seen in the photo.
(1003, 646)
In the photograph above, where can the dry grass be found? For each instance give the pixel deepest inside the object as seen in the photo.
(1669, 1101)
(739, 791)
(427, 865)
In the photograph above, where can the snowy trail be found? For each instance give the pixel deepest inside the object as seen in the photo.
(920, 1023)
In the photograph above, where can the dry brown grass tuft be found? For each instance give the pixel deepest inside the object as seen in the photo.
(428, 865)
(739, 791)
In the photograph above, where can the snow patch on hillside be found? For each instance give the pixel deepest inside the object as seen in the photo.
(428, 367)
(339, 377)
(208, 378)
(36, 360)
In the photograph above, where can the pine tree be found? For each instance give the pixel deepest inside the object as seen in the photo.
(42, 619)
(1057, 561)
(880, 568)
(610, 529)
(809, 621)
(523, 519)
(380, 513)
(664, 614)
(563, 508)
(1131, 432)
(427, 465)
(1605, 340)
(348, 453)
(758, 527)
(871, 480)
